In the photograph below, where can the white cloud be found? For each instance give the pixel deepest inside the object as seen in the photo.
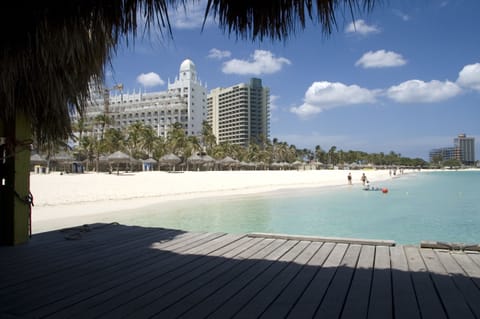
(360, 27)
(417, 91)
(189, 16)
(150, 79)
(325, 95)
(218, 54)
(381, 59)
(469, 76)
(401, 15)
(261, 62)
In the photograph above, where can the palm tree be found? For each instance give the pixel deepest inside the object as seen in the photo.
(114, 140)
(134, 139)
(48, 63)
(148, 139)
(332, 158)
(80, 125)
(208, 138)
(192, 146)
(320, 154)
(89, 145)
(102, 120)
(159, 147)
(177, 139)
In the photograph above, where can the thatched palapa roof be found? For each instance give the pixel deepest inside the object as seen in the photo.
(51, 51)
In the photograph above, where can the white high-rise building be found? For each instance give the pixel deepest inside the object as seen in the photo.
(241, 113)
(184, 102)
(466, 147)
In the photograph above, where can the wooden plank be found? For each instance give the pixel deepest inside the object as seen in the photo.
(176, 278)
(467, 261)
(78, 251)
(78, 292)
(55, 266)
(137, 275)
(470, 292)
(450, 246)
(27, 257)
(282, 305)
(404, 302)
(380, 305)
(332, 303)
(264, 290)
(114, 257)
(286, 251)
(171, 294)
(451, 297)
(426, 294)
(312, 297)
(356, 305)
(122, 271)
(338, 240)
(46, 279)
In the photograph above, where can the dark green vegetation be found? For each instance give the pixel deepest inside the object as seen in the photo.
(140, 141)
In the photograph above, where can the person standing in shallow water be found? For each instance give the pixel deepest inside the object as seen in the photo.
(363, 179)
(349, 178)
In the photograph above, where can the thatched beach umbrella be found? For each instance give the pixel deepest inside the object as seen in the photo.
(56, 50)
(208, 161)
(63, 159)
(150, 162)
(195, 160)
(297, 164)
(171, 160)
(118, 158)
(36, 159)
(227, 161)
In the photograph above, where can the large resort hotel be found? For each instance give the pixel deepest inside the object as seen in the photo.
(184, 102)
(240, 113)
(237, 114)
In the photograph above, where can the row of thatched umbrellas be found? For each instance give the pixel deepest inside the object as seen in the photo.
(169, 159)
(120, 157)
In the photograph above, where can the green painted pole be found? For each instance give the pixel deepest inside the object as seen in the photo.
(15, 181)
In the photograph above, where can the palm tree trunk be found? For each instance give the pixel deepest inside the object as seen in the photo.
(15, 181)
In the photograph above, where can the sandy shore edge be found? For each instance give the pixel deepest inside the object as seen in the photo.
(74, 199)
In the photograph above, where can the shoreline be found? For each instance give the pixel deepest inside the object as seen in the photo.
(75, 199)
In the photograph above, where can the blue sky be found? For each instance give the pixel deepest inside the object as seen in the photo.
(405, 78)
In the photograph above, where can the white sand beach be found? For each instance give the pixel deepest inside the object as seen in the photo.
(74, 199)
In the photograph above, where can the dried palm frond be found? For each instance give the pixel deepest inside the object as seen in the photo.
(51, 51)
(55, 50)
(278, 19)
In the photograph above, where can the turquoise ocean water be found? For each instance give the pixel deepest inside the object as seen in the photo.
(441, 206)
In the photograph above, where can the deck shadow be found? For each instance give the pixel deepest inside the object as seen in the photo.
(119, 271)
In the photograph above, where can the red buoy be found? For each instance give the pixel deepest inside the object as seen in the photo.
(384, 190)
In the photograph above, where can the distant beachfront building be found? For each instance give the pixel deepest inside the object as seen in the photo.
(240, 113)
(444, 154)
(466, 147)
(463, 150)
(184, 102)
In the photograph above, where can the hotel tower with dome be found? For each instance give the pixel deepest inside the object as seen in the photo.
(184, 102)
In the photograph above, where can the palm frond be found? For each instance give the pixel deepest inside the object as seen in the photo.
(278, 19)
(56, 50)
(51, 51)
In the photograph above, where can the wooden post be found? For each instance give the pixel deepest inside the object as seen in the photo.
(15, 181)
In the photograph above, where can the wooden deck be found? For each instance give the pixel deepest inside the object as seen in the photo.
(116, 271)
